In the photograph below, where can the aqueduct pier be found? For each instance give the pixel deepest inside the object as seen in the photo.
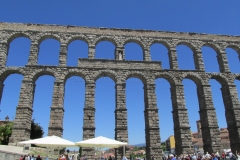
(119, 70)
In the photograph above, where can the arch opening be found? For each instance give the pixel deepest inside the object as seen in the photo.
(105, 50)
(105, 107)
(135, 110)
(159, 52)
(10, 96)
(192, 105)
(237, 83)
(49, 52)
(185, 57)
(233, 60)
(42, 101)
(76, 49)
(133, 51)
(18, 52)
(74, 99)
(164, 103)
(210, 59)
(218, 102)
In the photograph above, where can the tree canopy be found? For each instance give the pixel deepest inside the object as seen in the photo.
(6, 131)
(36, 130)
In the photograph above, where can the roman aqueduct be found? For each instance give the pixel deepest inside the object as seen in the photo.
(119, 70)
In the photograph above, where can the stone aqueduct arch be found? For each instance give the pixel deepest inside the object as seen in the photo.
(119, 70)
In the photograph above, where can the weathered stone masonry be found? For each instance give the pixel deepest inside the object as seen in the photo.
(90, 69)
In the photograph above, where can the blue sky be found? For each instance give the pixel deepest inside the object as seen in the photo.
(212, 17)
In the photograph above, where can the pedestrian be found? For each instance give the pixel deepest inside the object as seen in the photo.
(207, 156)
(194, 157)
(38, 158)
(32, 157)
(223, 155)
(59, 157)
(238, 156)
(215, 158)
(153, 157)
(63, 157)
(124, 158)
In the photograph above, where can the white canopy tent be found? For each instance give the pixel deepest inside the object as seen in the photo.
(101, 142)
(50, 142)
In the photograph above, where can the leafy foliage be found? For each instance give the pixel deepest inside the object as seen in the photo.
(5, 133)
(164, 147)
(80, 151)
(36, 130)
(139, 155)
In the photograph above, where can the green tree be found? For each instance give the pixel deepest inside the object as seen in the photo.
(5, 133)
(80, 151)
(36, 130)
(163, 147)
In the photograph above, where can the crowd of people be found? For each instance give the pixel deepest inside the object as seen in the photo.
(31, 157)
(207, 156)
(199, 156)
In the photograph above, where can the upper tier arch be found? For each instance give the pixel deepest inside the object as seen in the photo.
(157, 41)
(49, 36)
(135, 40)
(77, 37)
(105, 38)
(13, 36)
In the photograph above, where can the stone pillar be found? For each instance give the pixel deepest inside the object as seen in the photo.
(89, 118)
(3, 54)
(146, 54)
(172, 54)
(209, 125)
(33, 57)
(121, 131)
(63, 55)
(182, 133)
(57, 111)
(119, 53)
(91, 51)
(232, 107)
(22, 123)
(223, 62)
(152, 131)
(198, 60)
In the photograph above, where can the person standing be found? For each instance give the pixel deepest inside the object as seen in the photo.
(124, 158)
(153, 157)
(207, 156)
(223, 155)
(38, 158)
(32, 157)
(194, 157)
(215, 158)
(238, 156)
(230, 155)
